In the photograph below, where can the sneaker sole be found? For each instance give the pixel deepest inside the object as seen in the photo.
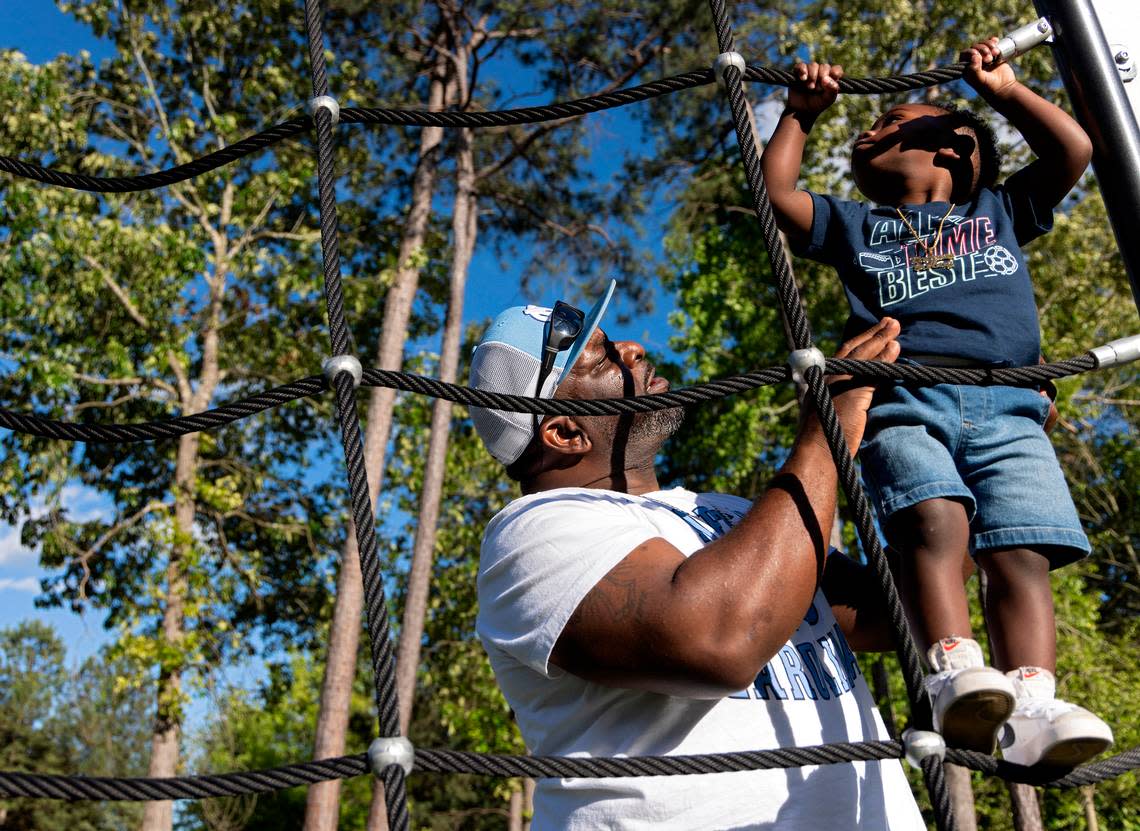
(972, 722)
(1072, 752)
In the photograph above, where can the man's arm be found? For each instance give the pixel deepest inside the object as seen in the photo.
(816, 91)
(857, 603)
(1062, 148)
(706, 625)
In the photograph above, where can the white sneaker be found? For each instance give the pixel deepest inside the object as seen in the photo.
(1044, 730)
(971, 701)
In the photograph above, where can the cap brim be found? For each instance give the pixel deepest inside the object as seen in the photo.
(589, 325)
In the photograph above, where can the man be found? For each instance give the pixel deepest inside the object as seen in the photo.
(621, 619)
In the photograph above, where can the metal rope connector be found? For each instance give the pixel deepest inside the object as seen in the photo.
(723, 61)
(332, 367)
(1117, 352)
(325, 102)
(391, 750)
(800, 360)
(920, 744)
(1022, 39)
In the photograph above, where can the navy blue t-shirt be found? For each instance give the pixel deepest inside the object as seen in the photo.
(979, 309)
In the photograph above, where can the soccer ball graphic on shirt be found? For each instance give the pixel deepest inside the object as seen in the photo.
(999, 260)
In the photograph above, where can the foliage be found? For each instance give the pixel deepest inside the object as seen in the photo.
(273, 726)
(144, 306)
(56, 719)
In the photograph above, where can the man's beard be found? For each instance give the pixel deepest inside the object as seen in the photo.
(651, 430)
(663, 423)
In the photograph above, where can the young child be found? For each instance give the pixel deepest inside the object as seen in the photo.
(957, 468)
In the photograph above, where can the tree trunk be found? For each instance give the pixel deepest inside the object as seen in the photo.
(464, 228)
(528, 803)
(1088, 802)
(159, 816)
(321, 808)
(1026, 811)
(961, 798)
(515, 814)
(881, 688)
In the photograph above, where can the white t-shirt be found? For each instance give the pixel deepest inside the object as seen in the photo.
(541, 555)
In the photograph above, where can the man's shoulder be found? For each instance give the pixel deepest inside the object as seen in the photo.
(558, 500)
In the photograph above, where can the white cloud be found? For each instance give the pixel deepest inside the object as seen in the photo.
(20, 584)
(12, 551)
(82, 504)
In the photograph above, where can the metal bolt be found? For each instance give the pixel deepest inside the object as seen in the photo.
(1122, 57)
(331, 367)
(391, 750)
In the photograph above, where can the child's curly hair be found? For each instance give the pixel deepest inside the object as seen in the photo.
(989, 165)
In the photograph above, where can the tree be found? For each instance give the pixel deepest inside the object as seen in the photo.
(59, 720)
(458, 703)
(149, 305)
(530, 181)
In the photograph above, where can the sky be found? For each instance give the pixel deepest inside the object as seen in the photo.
(40, 31)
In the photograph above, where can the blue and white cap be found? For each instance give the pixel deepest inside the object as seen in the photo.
(507, 360)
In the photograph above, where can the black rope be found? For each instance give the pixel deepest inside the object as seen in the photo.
(15, 784)
(799, 336)
(53, 786)
(1090, 774)
(161, 178)
(391, 116)
(35, 425)
(166, 428)
(934, 775)
(383, 657)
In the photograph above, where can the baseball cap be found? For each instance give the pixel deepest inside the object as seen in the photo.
(507, 360)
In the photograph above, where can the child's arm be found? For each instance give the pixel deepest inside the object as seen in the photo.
(816, 91)
(1063, 150)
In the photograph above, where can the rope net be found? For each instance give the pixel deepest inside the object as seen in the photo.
(19, 784)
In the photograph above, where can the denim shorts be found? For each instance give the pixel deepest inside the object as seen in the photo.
(982, 446)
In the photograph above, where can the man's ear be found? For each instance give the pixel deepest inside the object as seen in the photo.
(566, 435)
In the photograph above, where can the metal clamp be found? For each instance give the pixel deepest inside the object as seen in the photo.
(1024, 38)
(800, 360)
(1117, 352)
(332, 367)
(723, 61)
(325, 102)
(919, 744)
(391, 750)
(1125, 63)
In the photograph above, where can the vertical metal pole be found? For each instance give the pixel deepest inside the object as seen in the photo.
(1100, 103)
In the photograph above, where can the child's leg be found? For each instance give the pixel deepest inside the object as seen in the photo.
(1019, 608)
(932, 537)
(970, 700)
(1019, 616)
